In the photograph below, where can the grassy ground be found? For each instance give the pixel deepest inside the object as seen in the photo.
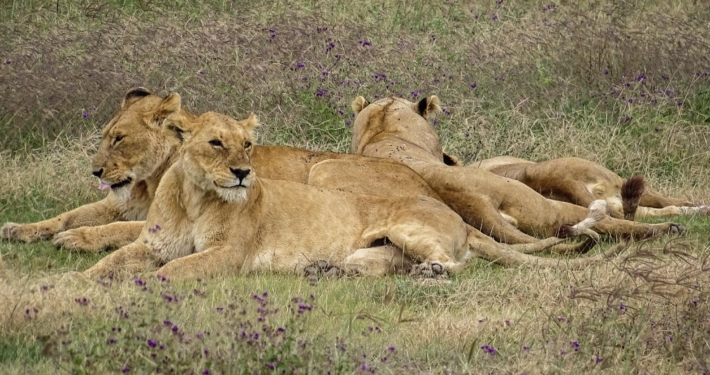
(621, 83)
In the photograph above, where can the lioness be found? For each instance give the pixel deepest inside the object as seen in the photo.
(398, 129)
(212, 214)
(580, 181)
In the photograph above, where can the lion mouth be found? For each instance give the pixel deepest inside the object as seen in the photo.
(103, 185)
(235, 186)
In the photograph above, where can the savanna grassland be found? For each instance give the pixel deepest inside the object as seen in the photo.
(622, 83)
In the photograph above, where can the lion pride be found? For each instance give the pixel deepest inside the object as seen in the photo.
(212, 214)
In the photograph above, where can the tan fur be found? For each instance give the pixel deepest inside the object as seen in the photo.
(397, 129)
(580, 181)
(213, 215)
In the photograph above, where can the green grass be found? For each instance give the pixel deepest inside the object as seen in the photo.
(541, 92)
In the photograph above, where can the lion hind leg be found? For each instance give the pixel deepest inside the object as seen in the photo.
(506, 255)
(669, 211)
(378, 261)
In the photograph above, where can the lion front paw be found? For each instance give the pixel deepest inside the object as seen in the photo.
(25, 232)
(80, 239)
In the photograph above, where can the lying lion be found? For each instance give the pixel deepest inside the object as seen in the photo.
(133, 156)
(398, 129)
(581, 181)
(212, 214)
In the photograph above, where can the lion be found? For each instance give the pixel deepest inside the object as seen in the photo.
(581, 181)
(503, 208)
(213, 214)
(130, 161)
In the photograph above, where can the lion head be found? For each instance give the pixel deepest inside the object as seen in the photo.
(399, 118)
(132, 145)
(216, 152)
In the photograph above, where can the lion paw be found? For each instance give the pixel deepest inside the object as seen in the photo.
(80, 239)
(676, 229)
(320, 269)
(25, 232)
(431, 270)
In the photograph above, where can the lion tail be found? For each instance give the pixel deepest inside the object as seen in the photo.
(517, 255)
(631, 192)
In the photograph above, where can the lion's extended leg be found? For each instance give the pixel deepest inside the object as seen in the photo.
(653, 199)
(208, 263)
(102, 212)
(506, 256)
(131, 259)
(648, 212)
(95, 239)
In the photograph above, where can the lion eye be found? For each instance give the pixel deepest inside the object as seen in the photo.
(118, 138)
(247, 144)
(216, 143)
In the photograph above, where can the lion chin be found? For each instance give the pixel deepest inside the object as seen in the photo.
(233, 194)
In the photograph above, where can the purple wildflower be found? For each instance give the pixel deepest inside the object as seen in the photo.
(622, 308)
(473, 85)
(495, 17)
(126, 369)
(167, 322)
(152, 343)
(391, 348)
(491, 350)
(140, 282)
(575, 345)
(84, 115)
(175, 328)
(111, 340)
(348, 122)
(7, 62)
(220, 308)
(526, 348)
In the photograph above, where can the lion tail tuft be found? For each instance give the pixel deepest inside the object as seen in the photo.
(631, 192)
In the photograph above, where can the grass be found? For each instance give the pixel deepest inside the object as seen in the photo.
(624, 84)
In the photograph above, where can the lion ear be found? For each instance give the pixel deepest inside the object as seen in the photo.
(359, 104)
(251, 123)
(171, 104)
(429, 105)
(451, 160)
(176, 128)
(133, 95)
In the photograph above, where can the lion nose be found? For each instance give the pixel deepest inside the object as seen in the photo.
(98, 173)
(240, 173)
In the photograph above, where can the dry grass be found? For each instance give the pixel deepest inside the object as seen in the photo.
(620, 83)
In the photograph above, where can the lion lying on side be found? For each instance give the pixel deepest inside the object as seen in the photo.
(212, 215)
(397, 129)
(580, 181)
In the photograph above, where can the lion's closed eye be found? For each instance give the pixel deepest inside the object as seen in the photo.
(216, 143)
